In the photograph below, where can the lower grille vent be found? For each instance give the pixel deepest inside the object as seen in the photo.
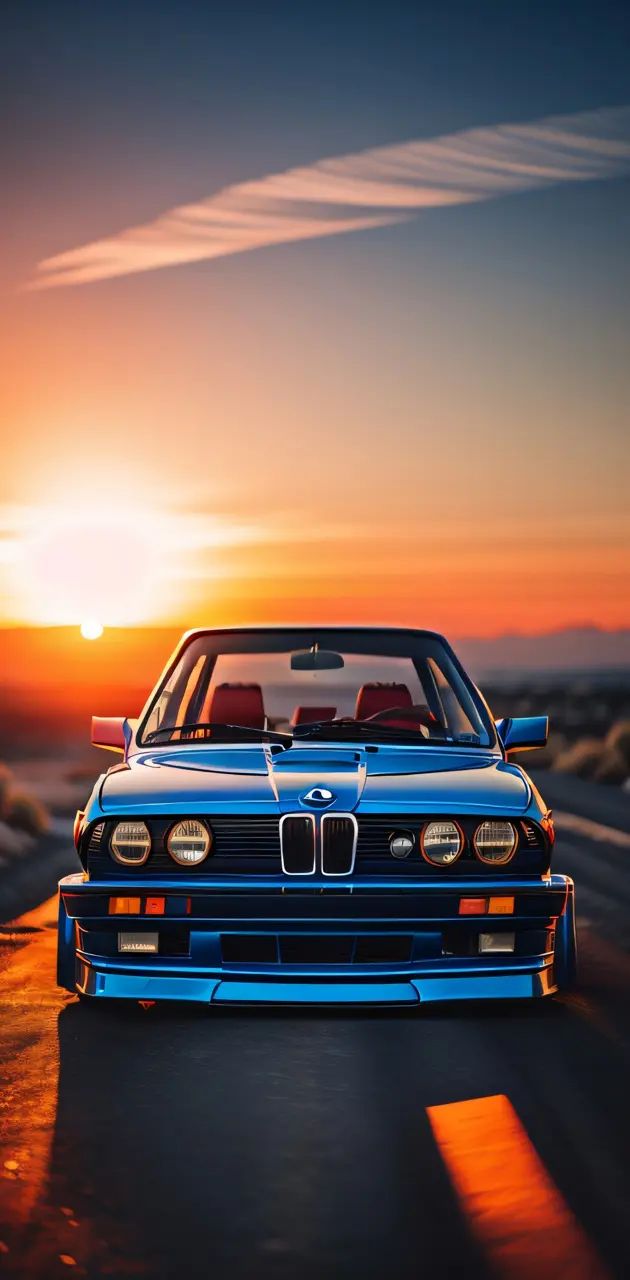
(332, 950)
(315, 949)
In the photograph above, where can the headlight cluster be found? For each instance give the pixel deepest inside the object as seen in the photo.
(494, 842)
(441, 843)
(188, 842)
(131, 843)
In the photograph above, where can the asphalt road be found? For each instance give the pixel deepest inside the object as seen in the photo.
(461, 1142)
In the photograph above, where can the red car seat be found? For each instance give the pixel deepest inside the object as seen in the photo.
(306, 715)
(237, 704)
(373, 698)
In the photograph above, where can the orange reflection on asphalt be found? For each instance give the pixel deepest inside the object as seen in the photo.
(29, 1007)
(514, 1208)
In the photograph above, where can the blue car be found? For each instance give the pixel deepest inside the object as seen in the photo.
(321, 815)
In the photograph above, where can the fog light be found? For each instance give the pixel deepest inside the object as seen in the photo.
(124, 906)
(473, 906)
(138, 942)
(401, 844)
(496, 942)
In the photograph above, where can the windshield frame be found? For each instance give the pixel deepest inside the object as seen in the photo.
(329, 637)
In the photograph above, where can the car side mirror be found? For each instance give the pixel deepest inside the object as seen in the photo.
(113, 733)
(523, 733)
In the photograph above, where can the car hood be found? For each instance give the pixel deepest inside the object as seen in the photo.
(256, 779)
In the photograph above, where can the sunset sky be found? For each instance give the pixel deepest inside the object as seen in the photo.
(417, 412)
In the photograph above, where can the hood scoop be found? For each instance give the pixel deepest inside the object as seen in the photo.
(296, 774)
(316, 759)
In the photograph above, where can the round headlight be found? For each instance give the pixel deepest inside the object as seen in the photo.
(495, 842)
(441, 843)
(189, 842)
(131, 843)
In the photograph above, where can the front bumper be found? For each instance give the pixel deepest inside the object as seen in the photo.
(241, 942)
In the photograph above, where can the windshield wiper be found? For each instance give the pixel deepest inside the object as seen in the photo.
(363, 728)
(224, 731)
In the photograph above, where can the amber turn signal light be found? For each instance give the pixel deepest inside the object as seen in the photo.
(501, 906)
(124, 906)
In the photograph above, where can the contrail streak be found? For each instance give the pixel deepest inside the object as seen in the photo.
(350, 193)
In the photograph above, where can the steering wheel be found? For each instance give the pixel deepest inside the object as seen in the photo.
(419, 714)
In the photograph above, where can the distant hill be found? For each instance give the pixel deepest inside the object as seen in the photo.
(574, 649)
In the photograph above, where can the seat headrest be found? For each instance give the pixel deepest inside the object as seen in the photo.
(379, 697)
(306, 715)
(237, 704)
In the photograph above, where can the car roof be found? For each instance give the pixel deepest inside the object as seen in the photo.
(312, 626)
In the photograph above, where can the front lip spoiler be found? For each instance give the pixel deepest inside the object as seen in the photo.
(531, 981)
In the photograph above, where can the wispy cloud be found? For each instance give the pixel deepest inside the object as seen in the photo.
(350, 193)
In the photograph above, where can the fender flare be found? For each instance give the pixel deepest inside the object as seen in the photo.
(565, 949)
(66, 954)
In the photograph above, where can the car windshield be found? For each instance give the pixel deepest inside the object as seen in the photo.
(330, 684)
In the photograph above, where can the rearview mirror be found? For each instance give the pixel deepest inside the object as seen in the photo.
(316, 659)
(111, 732)
(523, 733)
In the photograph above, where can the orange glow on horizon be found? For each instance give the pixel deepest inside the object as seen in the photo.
(130, 564)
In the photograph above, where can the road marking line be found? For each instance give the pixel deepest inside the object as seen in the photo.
(592, 830)
(514, 1208)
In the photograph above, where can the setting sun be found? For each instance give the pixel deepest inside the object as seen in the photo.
(91, 629)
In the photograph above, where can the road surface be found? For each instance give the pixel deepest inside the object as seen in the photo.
(463, 1142)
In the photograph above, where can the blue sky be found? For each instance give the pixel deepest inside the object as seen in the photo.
(164, 101)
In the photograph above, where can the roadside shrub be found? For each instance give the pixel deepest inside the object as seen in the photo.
(582, 758)
(13, 843)
(5, 788)
(612, 767)
(20, 813)
(25, 813)
(545, 757)
(618, 739)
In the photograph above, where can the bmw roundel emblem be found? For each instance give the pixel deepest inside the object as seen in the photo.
(318, 797)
